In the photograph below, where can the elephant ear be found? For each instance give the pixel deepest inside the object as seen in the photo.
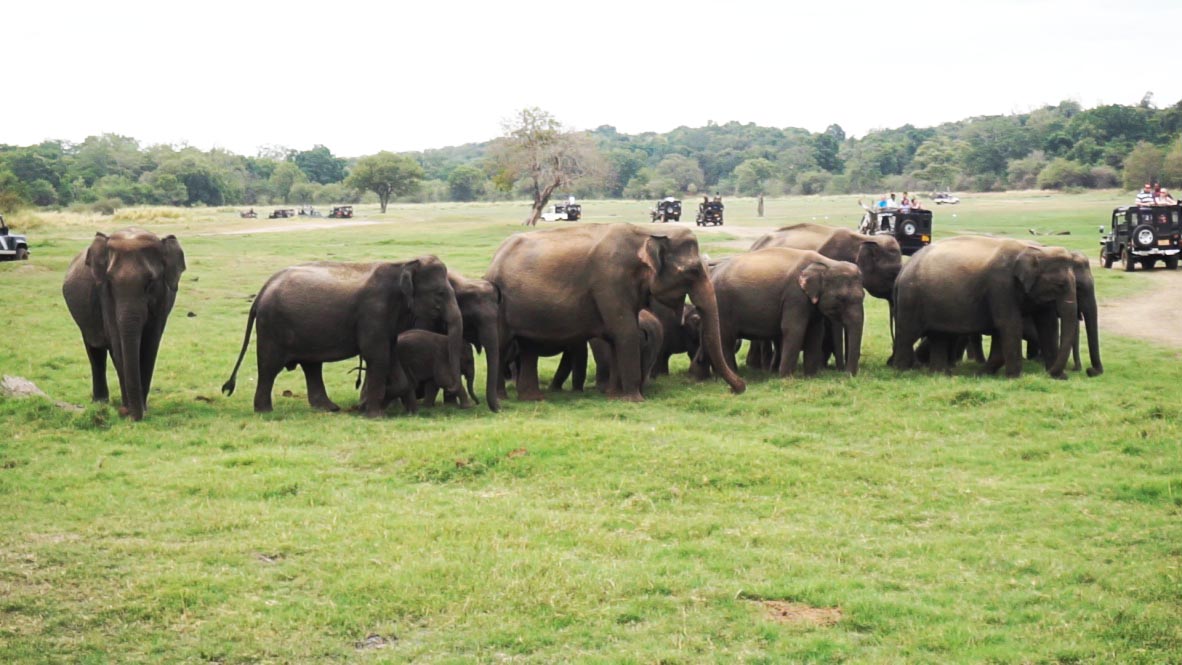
(1027, 267)
(174, 262)
(812, 280)
(97, 257)
(406, 281)
(654, 251)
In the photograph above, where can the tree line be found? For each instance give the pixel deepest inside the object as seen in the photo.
(1054, 147)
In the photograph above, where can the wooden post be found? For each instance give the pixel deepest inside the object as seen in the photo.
(761, 204)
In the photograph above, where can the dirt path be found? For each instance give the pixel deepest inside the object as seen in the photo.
(286, 228)
(1154, 315)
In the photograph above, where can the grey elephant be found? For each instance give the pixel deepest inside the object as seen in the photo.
(977, 285)
(878, 257)
(120, 292)
(324, 312)
(566, 286)
(479, 303)
(423, 356)
(783, 295)
(681, 331)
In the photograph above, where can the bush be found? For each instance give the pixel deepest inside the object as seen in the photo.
(812, 182)
(106, 206)
(1105, 177)
(1063, 173)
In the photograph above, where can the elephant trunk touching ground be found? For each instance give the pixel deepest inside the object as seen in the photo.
(852, 323)
(701, 294)
(1091, 326)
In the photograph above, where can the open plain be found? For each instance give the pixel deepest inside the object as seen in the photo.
(885, 518)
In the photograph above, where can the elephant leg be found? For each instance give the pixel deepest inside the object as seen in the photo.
(602, 353)
(755, 355)
(317, 394)
(1009, 333)
(527, 377)
(563, 371)
(430, 392)
(976, 348)
(1047, 324)
(907, 333)
(700, 365)
(939, 353)
(625, 361)
(98, 374)
(814, 347)
(269, 367)
(661, 366)
(578, 379)
(792, 341)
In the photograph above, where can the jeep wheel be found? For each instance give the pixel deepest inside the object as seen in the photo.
(1128, 260)
(22, 254)
(1171, 263)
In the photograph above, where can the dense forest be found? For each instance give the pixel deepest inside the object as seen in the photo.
(1053, 147)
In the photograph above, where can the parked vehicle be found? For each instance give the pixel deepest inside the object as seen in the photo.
(13, 247)
(249, 214)
(341, 212)
(668, 210)
(941, 198)
(281, 213)
(563, 212)
(1143, 234)
(911, 227)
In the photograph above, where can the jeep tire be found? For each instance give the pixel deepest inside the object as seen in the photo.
(1171, 263)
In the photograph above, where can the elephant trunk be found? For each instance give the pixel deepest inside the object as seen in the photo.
(852, 323)
(1087, 307)
(1069, 330)
(702, 295)
(837, 335)
(455, 346)
(130, 322)
(492, 353)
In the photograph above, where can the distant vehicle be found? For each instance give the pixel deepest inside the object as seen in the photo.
(341, 212)
(668, 210)
(563, 212)
(249, 214)
(309, 211)
(710, 213)
(1143, 235)
(944, 197)
(280, 213)
(12, 247)
(913, 228)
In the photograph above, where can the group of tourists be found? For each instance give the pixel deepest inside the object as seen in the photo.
(1154, 195)
(906, 204)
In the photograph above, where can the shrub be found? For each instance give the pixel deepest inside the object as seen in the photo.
(1062, 173)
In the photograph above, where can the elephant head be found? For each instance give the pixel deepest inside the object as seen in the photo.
(425, 287)
(673, 268)
(1046, 278)
(691, 329)
(137, 275)
(1085, 291)
(880, 260)
(836, 290)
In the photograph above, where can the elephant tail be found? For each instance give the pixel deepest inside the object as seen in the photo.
(228, 386)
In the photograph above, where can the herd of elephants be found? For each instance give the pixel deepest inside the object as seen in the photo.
(619, 289)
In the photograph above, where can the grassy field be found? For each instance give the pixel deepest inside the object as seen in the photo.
(888, 518)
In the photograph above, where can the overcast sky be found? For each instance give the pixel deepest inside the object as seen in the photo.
(360, 77)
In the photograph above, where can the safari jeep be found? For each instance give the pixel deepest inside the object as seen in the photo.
(1144, 235)
(913, 228)
(668, 209)
(12, 247)
(563, 212)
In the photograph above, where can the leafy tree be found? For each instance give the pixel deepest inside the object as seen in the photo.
(320, 166)
(108, 154)
(937, 162)
(536, 149)
(812, 182)
(1023, 173)
(204, 182)
(465, 183)
(1171, 170)
(1144, 164)
(826, 147)
(753, 175)
(1062, 173)
(682, 173)
(165, 188)
(622, 165)
(385, 174)
(284, 177)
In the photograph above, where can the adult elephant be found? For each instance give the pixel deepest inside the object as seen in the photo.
(120, 291)
(782, 295)
(479, 303)
(878, 257)
(977, 285)
(324, 312)
(565, 286)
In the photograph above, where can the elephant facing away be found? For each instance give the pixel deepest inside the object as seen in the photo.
(324, 312)
(565, 286)
(120, 292)
(980, 286)
(784, 296)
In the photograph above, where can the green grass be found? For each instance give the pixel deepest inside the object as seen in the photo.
(952, 519)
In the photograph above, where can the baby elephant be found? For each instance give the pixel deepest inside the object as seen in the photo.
(424, 360)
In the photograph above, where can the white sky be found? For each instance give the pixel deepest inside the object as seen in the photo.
(360, 77)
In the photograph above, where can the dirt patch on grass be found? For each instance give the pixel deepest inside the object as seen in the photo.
(799, 614)
(1154, 315)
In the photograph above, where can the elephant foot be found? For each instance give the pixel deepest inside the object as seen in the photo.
(1095, 371)
(699, 372)
(626, 397)
(530, 396)
(324, 404)
(1059, 377)
(103, 399)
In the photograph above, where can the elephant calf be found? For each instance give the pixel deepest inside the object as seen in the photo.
(424, 359)
(607, 375)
